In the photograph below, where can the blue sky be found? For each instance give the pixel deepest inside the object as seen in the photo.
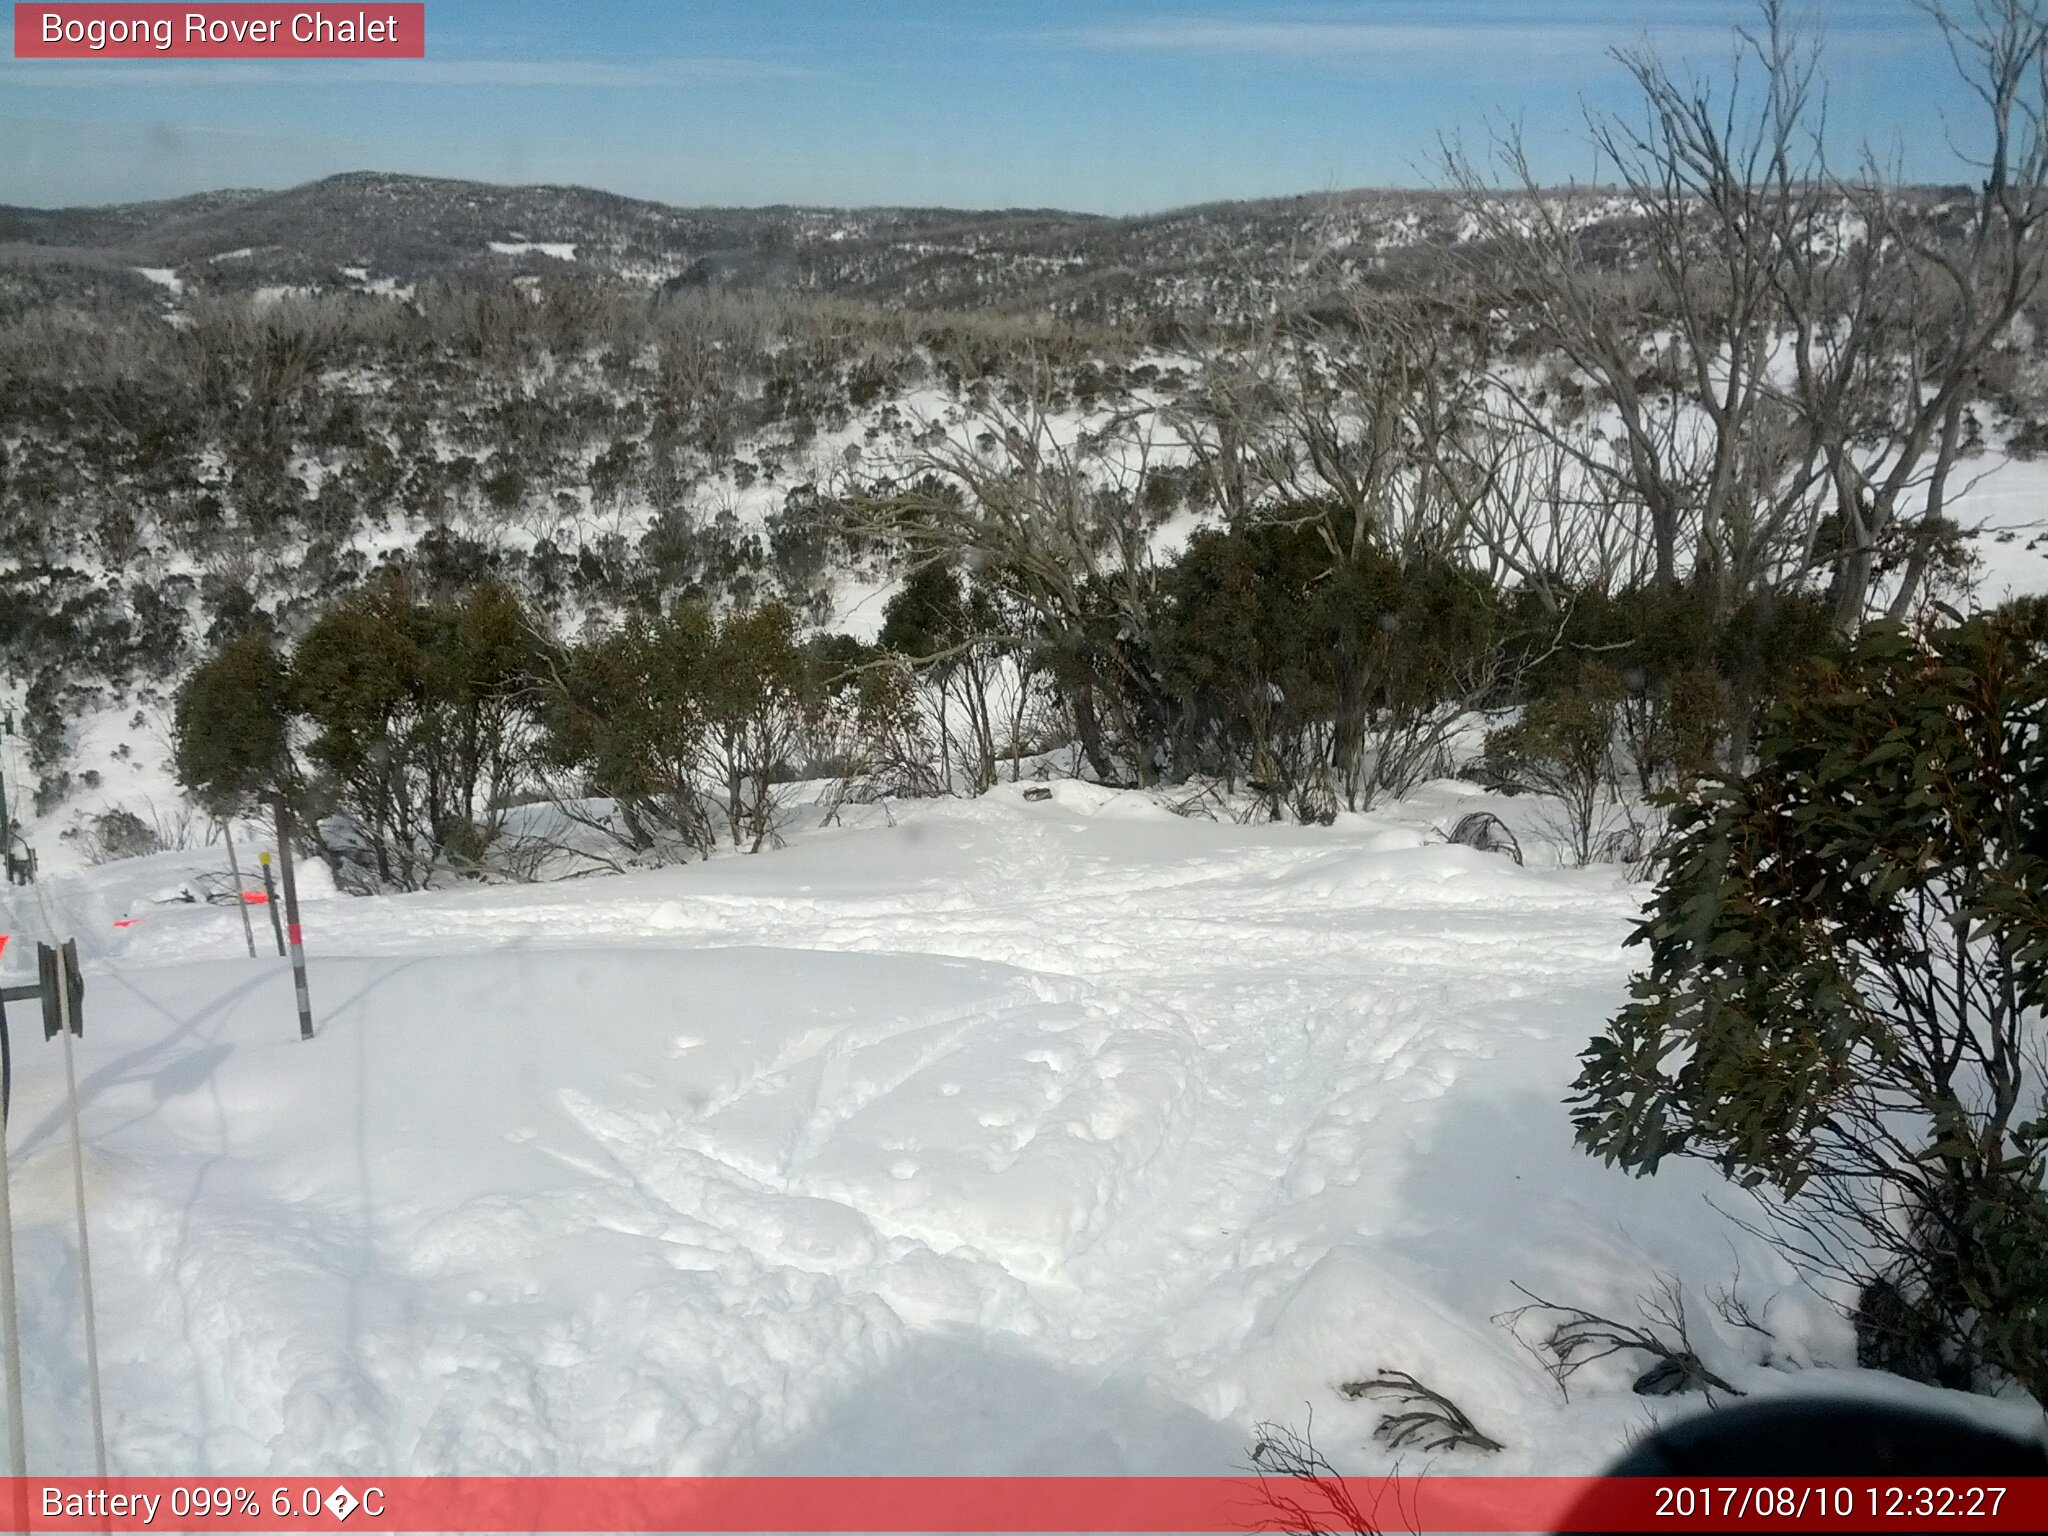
(1103, 105)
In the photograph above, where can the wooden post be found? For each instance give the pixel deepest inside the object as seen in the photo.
(241, 896)
(294, 935)
(270, 901)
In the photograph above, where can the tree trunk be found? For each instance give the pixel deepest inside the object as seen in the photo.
(1088, 727)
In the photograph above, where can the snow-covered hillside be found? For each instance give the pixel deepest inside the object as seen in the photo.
(1026, 1136)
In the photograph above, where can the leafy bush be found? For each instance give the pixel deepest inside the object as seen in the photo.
(1323, 678)
(1693, 673)
(869, 735)
(231, 724)
(761, 697)
(626, 711)
(119, 834)
(414, 713)
(685, 718)
(1844, 1000)
(1563, 746)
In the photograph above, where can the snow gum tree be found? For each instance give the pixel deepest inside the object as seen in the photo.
(955, 632)
(1843, 1007)
(761, 699)
(1058, 524)
(1783, 390)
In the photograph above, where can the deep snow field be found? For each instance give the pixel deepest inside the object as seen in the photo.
(997, 1136)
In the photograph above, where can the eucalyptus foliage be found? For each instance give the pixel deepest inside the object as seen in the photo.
(1848, 965)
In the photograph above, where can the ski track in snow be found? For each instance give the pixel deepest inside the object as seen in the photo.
(1023, 1138)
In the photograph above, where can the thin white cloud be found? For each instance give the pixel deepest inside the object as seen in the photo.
(638, 74)
(1323, 39)
(1353, 42)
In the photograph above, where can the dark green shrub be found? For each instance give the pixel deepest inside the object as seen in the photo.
(417, 713)
(626, 712)
(231, 726)
(1321, 678)
(1848, 965)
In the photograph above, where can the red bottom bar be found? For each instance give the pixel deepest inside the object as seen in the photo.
(1013, 1504)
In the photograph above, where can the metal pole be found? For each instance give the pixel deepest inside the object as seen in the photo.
(6, 820)
(10, 1320)
(241, 897)
(294, 935)
(270, 900)
(92, 1336)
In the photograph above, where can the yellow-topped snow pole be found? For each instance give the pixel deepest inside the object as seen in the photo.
(270, 900)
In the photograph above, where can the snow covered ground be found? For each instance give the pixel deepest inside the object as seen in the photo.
(1055, 1136)
(2004, 505)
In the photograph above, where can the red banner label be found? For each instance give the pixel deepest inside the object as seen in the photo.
(99, 31)
(1015, 1504)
